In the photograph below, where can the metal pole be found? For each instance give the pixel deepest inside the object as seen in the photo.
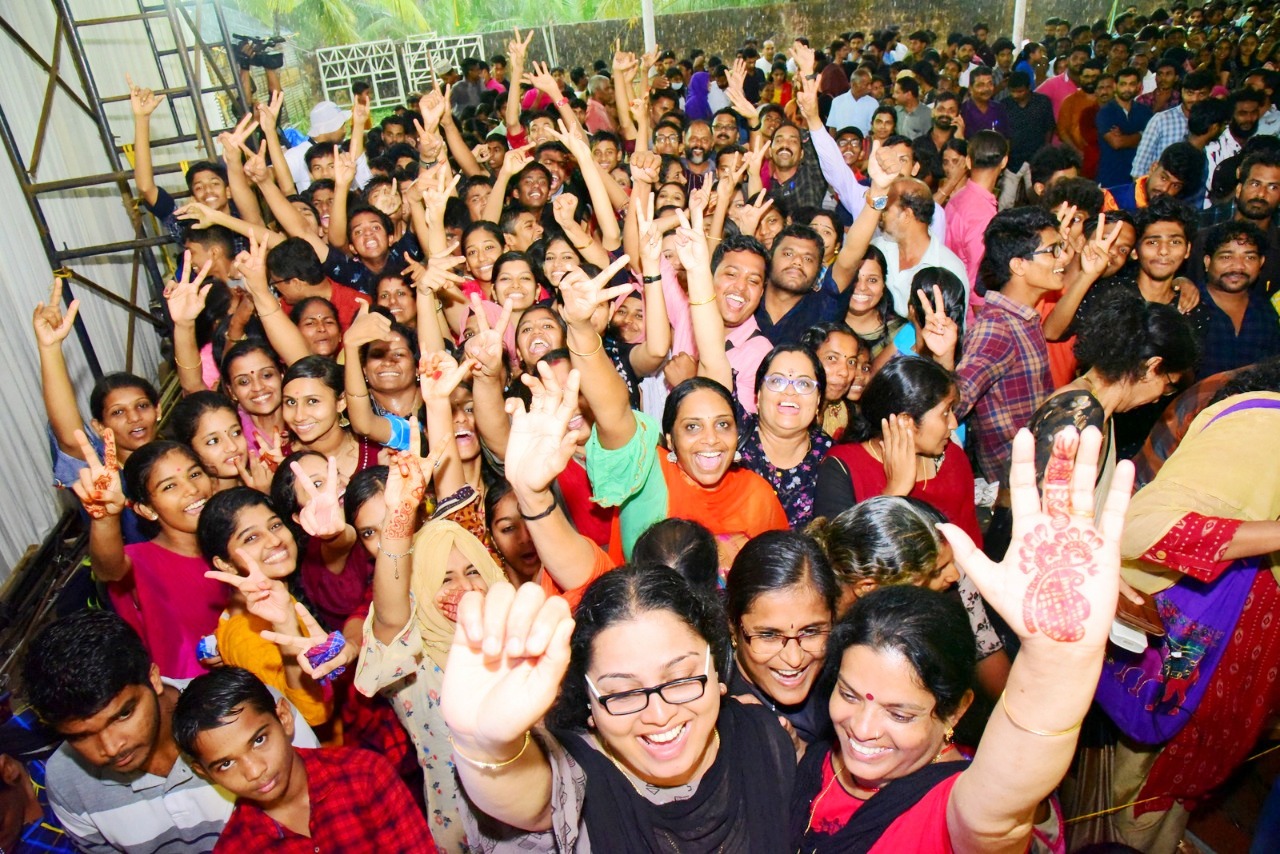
(650, 31)
(193, 80)
(1019, 20)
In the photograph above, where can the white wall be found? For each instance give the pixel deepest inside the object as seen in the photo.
(28, 504)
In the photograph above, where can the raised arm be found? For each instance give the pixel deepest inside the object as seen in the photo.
(365, 329)
(52, 328)
(624, 75)
(1057, 589)
(704, 308)
(601, 202)
(281, 331)
(144, 103)
(538, 449)
(185, 298)
(100, 492)
(516, 50)
(647, 357)
(268, 116)
(393, 569)
(466, 159)
(516, 159)
(440, 374)
(200, 215)
(563, 208)
(255, 168)
(486, 350)
(344, 175)
(1093, 262)
(231, 142)
(602, 386)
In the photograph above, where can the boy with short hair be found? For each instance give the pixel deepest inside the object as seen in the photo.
(343, 799)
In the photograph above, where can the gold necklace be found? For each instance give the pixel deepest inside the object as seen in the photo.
(604, 745)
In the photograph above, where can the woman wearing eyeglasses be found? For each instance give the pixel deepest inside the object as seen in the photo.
(782, 441)
(781, 597)
(901, 445)
(642, 752)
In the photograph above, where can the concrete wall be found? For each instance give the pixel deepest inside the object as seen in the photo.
(722, 31)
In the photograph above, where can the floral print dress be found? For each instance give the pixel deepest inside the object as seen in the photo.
(795, 486)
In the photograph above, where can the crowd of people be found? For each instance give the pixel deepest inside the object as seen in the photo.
(692, 453)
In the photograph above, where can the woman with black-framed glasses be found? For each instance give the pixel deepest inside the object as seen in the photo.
(781, 597)
(642, 751)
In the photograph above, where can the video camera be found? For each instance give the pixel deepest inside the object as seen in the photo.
(259, 52)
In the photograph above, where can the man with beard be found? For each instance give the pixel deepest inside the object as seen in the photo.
(795, 175)
(1120, 125)
(1246, 109)
(118, 783)
(791, 304)
(1257, 197)
(698, 160)
(1242, 326)
(1075, 104)
(1180, 167)
(1263, 81)
(1057, 88)
(1171, 126)
(724, 130)
(946, 123)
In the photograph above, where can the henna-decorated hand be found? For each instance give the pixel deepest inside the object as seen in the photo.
(1059, 580)
(51, 326)
(265, 598)
(439, 374)
(485, 349)
(406, 485)
(541, 442)
(256, 473)
(313, 635)
(271, 453)
(185, 296)
(99, 488)
(322, 515)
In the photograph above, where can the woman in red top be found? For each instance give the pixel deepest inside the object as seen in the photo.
(902, 446)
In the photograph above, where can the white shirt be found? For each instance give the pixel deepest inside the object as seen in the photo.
(717, 100)
(1148, 83)
(898, 282)
(846, 111)
(296, 157)
(765, 65)
(1217, 151)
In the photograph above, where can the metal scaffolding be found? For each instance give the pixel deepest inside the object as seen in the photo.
(173, 30)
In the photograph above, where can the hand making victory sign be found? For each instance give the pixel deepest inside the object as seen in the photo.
(99, 488)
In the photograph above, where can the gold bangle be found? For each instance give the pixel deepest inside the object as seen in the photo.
(490, 766)
(269, 313)
(707, 301)
(186, 367)
(592, 353)
(1008, 714)
(353, 394)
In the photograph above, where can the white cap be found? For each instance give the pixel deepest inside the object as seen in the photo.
(326, 117)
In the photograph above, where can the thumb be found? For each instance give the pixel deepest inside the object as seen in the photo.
(968, 556)
(364, 307)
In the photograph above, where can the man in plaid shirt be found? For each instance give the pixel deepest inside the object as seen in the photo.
(344, 800)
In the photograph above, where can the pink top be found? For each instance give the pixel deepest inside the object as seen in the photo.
(677, 311)
(1057, 89)
(968, 213)
(170, 604)
(746, 347)
(598, 117)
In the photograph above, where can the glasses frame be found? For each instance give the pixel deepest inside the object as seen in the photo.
(790, 382)
(606, 699)
(1055, 250)
(786, 639)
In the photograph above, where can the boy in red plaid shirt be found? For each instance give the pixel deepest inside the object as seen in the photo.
(289, 799)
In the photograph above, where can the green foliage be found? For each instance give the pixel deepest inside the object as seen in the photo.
(324, 23)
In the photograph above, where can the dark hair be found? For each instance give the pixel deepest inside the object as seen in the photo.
(988, 149)
(284, 495)
(77, 664)
(909, 85)
(684, 546)
(1264, 158)
(774, 561)
(244, 348)
(929, 629)
(318, 150)
(914, 195)
(410, 338)
(1014, 233)
(114, 381)
(217, 523)
(953, 298)
(214, 700)
(317, 368)
(908, 385)
(1201, 78)
(799, 231)
(293, 258)
(185, 418)
(815, 336)
(218, 236)
(684, 390)
(625, 594)
(364, 485)
(1123, 331)
(199, 166)
(819, 373)
(1185, 162)
(1166, 209)
(359, 210)
(137, 469)
(1020, 79)
(1051, 159)
(740, 243)
(1262, 376)
(887, 539)
(1082, 193)
(300, 309)
(1235, 231)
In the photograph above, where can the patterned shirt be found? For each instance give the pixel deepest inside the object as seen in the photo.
(357, 804)
(1162, 131)
(795, 486)
(1224, 347)
(1172, 426)
(806, 188)
(1003, 377)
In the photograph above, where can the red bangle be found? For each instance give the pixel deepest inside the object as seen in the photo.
(563, 100)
